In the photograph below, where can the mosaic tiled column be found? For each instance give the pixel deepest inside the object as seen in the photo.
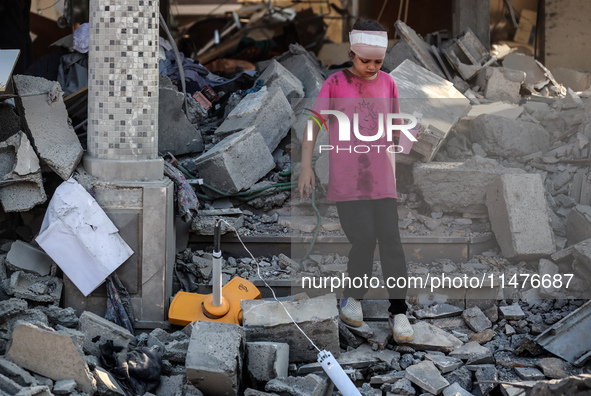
(123, 154)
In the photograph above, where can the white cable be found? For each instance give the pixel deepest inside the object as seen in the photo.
(269, 287)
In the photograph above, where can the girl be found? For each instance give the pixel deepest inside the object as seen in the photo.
(362, 171)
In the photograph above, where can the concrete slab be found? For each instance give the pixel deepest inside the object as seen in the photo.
(305, 67)
(512, 312)
(276, 75)
(507, 110)
(431, 338)
(51, 354)
(445, 364)
(267, 110)
(98, 330)
(19, 166)
(476, 320)
(500, 83)
(214, 359)
(530, 374)
(554, 368)
(44, 115)
(25, 257)
(426, 376)
(176, 134)
(519, 216)
(420, 48)
(317, 317)
(469, 350)
(237, 162)
(456, 186)
(34, 288)
(527, 64)
(398, 53)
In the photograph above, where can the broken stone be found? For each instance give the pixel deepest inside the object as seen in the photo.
(98, 330)
(305, 67)
(267, 111)
(267, 360)
(466, 47)
(176, 134)
(445, 364)
(438, 311)
(426, 375)
(172, 345)
(476, 320)
(529, 374)
(15, 373)
(8, 385)
(398, 53)
(483, 336)
(533, 73)
(554, 368)
(456, 389)
(34, 288)
(577, 385)
(403, 387)
(578, 225)
(512, 312)
(481, 359)
(492, 313)
(500, 109)
(237, 162)
(214, 359)
(381, 333)
(106, 384)
(64, 387)
(422, 50)
(311, 384)
(487, 378)
(47, 124)
(519, 216)
(458, 187)
(431, 338)
(500, 83)
(469, 350)
(267, 321)
(11, 307)
(462, 376)
(575, 79)
(51, 354)
(496, 135)
(25, 257)
(275, 75)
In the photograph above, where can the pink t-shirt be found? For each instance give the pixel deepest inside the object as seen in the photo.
(360, 169)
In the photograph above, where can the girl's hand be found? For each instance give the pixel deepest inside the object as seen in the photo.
(307, 178)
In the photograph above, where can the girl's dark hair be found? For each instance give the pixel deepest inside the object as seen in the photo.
(363, 23)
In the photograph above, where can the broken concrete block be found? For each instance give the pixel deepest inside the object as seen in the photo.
(305, 67)
(64, 387)
(60, 316)
(16, 373)
(438, 311)
(456, 186)
(456, 389)
(554, 368)
(98, 330)
(497, 136)
(578, 224)
(173, 346)
(476, 319)
(420, 48)
(519, 216)
(20, 175)
(576, 80)
(402, 387)
(175, 133)
(500, 83)
(44, 115)
(311, 384)
(267, 321)
(507, 110)
(25, 257)
(533, 73)
(512, 312)
(106, 384)
(276, 75)
(441, 104)
(426, 375)
(469, 350)
(12, 307)
(398, 53)
(432, 338)
(267, 360)
(487, 378)
(266, 110)
(34, 288)
(237, 162)
(530, 374)
(466, 54)
(51, 354)
(215, 357)
(8, 385)
(445, 364)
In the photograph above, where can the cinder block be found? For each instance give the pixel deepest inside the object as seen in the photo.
(19, 164)
(25, 257)
(237, 162)
(215, 357)
(267, 360)
(45, 118)
(519, 216)
(500, 83)
(498, 137)
(98, 330)
(456, 186)
(267, 321)
(51, 354)
(305, 67)
(275, 75)
(267, 110)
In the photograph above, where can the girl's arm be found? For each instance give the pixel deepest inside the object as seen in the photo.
(307, 177)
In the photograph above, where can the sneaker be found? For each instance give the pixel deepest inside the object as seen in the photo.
(401, 328)
(351, 312)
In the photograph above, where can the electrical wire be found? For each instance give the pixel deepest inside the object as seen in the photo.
(46, 8)
(269, 287)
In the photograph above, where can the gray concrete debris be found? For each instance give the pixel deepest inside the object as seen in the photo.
(9, 121)
(466, 47)
(438, 311)
(512, 312)
(50, 353)
(16, 373)
(237, 162)
(574, 79)
(20, 170)
(310, 385)
(267, 110)
(530, 374)
(98, 330)
(456, 186)
(445, 364)
(64, 387)
(554, 368)
(267, 321)
(579, 385)
(36, 391)
(519, 216)
(534, 75)
(420, 48)
(25, 257)
(305, 67)
(175, 133)
(12, 307)
(106, 384)
(476, 320)
(204, 222)
(254, 392)
(8, 385)
(500, 83)
(456, 389)
(398, 53)
(578, 225)
(469, 350)
(462, 376)
(496, 135)
(46, 123)
(215, 357)
(173, 346)
(34, 288)
(441, 104)
(57, 316)
(426, 376)
(507, 110)
(487, 377)
(403, 387)
(431, 338)
(267, 360)
(276, 75)
(170, 386)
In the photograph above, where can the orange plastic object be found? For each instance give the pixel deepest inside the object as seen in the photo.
(189, 307)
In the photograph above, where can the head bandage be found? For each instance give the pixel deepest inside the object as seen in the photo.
(369, 44)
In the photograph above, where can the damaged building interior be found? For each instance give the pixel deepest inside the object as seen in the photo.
(153, 240)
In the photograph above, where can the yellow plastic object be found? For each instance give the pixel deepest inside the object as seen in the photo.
(190, 307)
